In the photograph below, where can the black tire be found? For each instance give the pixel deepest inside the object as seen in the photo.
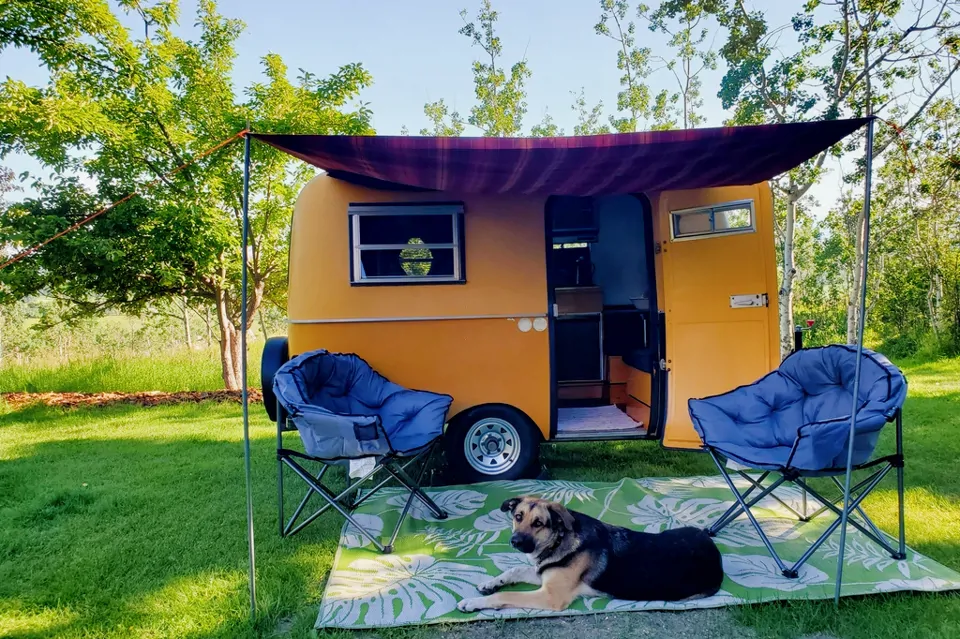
(275, 354)
(492, 426)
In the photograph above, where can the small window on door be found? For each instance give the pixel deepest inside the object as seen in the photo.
(406, 243)
(722, 219)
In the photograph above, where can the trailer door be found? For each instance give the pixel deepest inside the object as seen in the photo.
(718, 285)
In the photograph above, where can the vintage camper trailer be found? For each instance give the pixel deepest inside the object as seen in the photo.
(562, 289)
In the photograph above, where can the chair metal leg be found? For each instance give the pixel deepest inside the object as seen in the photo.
(877, 478)
(299, 470)
(303, 502)
(280, 420)
(873, 480)
(861, 513)
(734, 511)
(332, 501)
(824, 508)
(395, 470)
(772, 494)
(803, 507)
(414, 486)
(902, 537)
(280, 495)
(753, 520)
(742, 505)
(406, 507)
(731, 513)
(386, 480)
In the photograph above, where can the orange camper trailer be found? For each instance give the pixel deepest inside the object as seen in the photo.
(560, 289)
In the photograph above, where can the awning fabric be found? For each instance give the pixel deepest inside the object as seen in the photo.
(588, 165)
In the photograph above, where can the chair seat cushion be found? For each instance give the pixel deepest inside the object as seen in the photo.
(344, 409)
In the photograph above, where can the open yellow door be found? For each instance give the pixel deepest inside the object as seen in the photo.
(718, 289)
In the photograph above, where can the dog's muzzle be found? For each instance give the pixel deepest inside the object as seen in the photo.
(523, 543)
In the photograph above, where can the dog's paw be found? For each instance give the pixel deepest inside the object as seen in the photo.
(489, 587)
(470, 605)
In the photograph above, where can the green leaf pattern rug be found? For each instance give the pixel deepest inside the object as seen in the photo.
(435, 564)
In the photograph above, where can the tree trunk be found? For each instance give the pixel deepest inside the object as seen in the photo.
(263, 325)
(230, 347)
(853, 299)
(229, 344)
(186, 323)
(209, 325)
(789, 271)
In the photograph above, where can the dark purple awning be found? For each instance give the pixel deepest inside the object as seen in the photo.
(590, 165)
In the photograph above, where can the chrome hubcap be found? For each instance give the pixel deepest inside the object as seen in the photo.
(492, 446)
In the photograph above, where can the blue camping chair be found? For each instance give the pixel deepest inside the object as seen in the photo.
(344, 410)
(794, 423)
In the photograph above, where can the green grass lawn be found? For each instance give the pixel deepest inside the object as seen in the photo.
(129, 522)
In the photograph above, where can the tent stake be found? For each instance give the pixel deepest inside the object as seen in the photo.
(864, 271)
(243, 374)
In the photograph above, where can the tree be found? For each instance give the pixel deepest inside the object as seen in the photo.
(547, 128)
(852, 58)
(588, 119)
(687, 38)
(444, 124)
(7, 185)
(632, 61)
(915, 230)
(501, 99)
(125, 111)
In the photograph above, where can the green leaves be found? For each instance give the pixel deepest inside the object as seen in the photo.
(445, 124)
(633, 61)
(501, 97)
(124, 110)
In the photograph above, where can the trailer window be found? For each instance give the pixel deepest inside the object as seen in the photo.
(722, 219)
(406, 243)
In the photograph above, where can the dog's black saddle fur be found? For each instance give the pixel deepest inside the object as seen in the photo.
(668, 566)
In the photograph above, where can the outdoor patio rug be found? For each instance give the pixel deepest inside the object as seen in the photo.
(436, 564)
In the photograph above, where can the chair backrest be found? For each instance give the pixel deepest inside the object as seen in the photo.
(825, 377)
(799, 415)
(340, 383)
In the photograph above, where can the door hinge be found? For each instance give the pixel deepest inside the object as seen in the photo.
(656, 248)
(663, 364)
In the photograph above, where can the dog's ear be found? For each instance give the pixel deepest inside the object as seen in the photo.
(510, 505)
(560, 517)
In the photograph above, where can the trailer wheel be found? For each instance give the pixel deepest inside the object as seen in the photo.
(492, 442)
(275, 355)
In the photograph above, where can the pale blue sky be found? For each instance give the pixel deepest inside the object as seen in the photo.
(416, 55)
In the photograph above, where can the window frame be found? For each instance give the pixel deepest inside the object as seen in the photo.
(454, 210)
(713, 209)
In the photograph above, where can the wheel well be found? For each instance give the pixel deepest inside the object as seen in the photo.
(467, 412)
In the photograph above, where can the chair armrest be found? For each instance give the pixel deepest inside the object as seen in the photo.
(327, 435)
(412, 419)
(823, 445)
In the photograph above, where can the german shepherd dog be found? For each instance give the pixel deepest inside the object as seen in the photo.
(576, 555)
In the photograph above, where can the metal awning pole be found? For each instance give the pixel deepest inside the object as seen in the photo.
(864, 271)
(243, 374)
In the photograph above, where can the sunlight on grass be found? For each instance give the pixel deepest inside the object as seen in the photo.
(179, 370)
(194, 605)
(18, 619)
